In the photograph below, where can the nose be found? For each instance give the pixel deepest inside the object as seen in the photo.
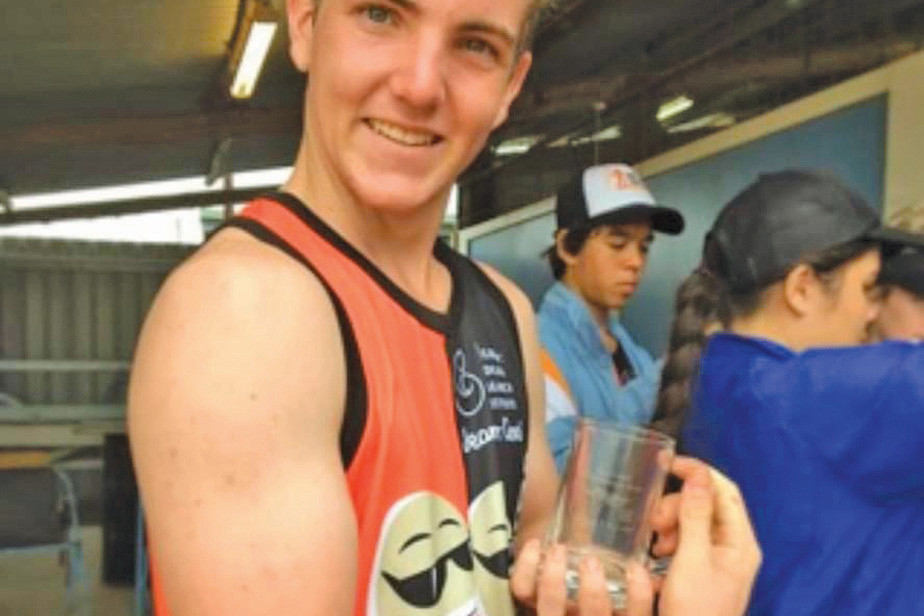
(635, 257)
(420, 79)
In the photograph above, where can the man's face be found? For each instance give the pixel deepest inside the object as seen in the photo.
(902, 316)
(846, 315)
(608, 268)
(403, 93)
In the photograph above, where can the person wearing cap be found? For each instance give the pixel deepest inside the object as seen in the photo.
(825, 435)
(593, 368)
(902, 282)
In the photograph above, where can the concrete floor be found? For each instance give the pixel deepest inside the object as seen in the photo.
(34, 584)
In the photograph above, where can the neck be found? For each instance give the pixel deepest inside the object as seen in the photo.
(765, 324)
(397, 241)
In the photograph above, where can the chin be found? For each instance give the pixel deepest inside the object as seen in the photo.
(388, 192)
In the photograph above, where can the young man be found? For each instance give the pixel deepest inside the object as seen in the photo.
(902, 281)
(329, 413)
(593, 368)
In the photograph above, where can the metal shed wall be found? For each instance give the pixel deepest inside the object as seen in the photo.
(67, 300)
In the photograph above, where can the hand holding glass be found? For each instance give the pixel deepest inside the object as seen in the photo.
(612, 480)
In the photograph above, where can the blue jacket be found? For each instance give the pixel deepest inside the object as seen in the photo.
(570, 337)
(828, 448)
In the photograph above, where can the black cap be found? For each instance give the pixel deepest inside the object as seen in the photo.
(612, 194)
(781, 219)
(906, 267)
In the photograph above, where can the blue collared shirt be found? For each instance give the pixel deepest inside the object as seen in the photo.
(571, 339)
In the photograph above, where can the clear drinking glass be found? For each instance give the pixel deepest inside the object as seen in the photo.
(614, 477)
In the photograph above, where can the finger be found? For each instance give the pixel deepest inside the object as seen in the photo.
(665, 514)
(639, 591)
(665, 544)
(657, 581)
(525, 571)
(732, 525)
(684, 466)
(733, 528)
(551, 593)
(593, 594)
(696, 513)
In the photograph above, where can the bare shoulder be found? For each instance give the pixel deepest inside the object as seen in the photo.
(243, 270)
(235, 404)
(244, 315)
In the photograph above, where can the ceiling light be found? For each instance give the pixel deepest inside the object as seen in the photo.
(250, 47)
(674, 107)
(517, 145)
(607, 134)
(713, 120)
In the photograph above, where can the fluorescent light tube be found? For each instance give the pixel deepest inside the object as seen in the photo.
(259, 39)
(673, 107)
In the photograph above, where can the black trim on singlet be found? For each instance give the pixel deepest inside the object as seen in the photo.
(445, 252)
(438, 321)
(355, 405)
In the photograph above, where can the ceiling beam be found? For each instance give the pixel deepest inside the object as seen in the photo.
(734, 71)
(133, 206)
(146, 130)
(682, 54)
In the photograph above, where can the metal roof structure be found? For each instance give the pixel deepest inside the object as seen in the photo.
(103, 92)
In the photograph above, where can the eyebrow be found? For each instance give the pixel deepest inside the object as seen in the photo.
(469, 26)
(497, 527)
(408, 5)
(484, 27)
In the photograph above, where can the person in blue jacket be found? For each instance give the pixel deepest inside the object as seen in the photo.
(593, 368)
(824, 436)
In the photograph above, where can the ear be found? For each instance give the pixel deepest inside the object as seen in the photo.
(301, 15)
(802, 290)
(560, 249)
(514, 84)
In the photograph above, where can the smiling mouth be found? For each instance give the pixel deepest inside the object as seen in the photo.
(401, 135)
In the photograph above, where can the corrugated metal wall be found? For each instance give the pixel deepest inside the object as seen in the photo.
(69, 300)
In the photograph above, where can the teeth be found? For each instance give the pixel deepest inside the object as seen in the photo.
(396, 133)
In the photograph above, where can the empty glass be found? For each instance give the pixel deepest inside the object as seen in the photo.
(614, 477)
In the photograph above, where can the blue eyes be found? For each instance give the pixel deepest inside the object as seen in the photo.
(378, 14)
(479, 46)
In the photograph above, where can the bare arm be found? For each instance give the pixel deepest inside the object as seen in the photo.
(235, 406)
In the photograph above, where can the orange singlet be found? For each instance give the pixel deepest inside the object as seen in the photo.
(435, 427)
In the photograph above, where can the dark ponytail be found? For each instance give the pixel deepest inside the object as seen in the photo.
(701, 306)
